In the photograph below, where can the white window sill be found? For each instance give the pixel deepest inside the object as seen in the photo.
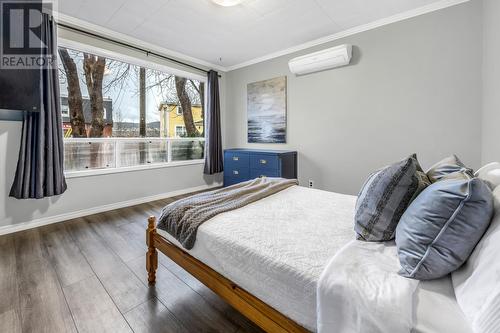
(98, 172)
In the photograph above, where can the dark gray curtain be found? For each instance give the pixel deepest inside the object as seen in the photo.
(40, 166)
(213, 143)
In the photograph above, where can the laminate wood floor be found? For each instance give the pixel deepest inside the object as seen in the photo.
(89, 275)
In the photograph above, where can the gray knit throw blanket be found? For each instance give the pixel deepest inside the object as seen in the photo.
(182, 218)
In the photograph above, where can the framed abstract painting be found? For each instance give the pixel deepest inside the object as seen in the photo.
(266, 111)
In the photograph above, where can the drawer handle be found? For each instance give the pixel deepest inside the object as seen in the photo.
(236, 158)
(235, 172)
(263, 161)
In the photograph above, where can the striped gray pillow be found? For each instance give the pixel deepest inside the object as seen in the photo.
(384, 198)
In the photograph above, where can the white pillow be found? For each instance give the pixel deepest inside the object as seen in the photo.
(490, 173)
(477, 282)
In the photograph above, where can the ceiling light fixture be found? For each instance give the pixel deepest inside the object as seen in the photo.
(227, 3)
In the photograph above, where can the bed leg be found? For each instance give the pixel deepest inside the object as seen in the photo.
(152, 254)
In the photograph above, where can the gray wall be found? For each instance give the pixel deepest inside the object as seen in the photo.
(413, 86)
(94, 191)
(491, 81)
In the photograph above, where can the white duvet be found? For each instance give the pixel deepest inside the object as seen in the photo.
(359, 287)
(361, 292)
(277, 247)
(295, 250)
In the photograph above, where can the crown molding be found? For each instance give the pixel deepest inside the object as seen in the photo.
(85, 25)
(352, 31)
(342, 34)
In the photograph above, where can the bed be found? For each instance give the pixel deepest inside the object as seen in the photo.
(271, 278)
(272, 269)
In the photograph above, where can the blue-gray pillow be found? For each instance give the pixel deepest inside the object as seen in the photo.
(385, 196)
(440, 229)
(446, 166)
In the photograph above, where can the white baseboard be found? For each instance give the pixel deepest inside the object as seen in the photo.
(8, 229)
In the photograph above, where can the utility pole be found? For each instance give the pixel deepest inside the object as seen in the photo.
(142, 102)
(142, 115)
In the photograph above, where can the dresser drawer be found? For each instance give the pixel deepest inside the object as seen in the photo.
(236, 160)
(256, 173)
(235, 175)
(244, 164)
(258, 161)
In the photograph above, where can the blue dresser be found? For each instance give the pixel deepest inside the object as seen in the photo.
(246, 164)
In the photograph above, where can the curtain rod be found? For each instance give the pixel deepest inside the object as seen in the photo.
(130, 46)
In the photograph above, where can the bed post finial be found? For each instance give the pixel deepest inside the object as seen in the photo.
(152, 254)
(151, 222)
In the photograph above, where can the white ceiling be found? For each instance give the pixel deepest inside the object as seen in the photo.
(229, 36)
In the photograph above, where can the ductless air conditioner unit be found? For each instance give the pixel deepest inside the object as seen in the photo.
(321, 60)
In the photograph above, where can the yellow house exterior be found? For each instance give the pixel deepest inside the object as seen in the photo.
(172, 122)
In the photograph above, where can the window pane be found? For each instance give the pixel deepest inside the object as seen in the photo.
(140, 152)
(174, 102)
(187, 150)
(132, 102)
(88, 155)
(97, 111)
(180, 131)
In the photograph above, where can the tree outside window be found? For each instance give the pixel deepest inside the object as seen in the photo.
(105, 98)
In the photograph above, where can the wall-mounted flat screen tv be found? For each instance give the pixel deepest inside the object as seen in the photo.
(20, 89)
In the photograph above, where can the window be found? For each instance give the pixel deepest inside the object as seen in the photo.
(180, 131)
(65, 110)
(133, 121)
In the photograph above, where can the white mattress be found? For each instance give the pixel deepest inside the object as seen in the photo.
(276, 248)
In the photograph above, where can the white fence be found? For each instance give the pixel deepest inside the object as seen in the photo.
(102, 153)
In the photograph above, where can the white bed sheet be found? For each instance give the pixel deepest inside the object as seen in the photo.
(360, 291)
(435, 308)
(277, 247)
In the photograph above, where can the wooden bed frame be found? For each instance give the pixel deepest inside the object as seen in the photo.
(250, 306)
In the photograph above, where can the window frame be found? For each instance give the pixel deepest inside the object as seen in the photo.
(179, 126)
(83, 47)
